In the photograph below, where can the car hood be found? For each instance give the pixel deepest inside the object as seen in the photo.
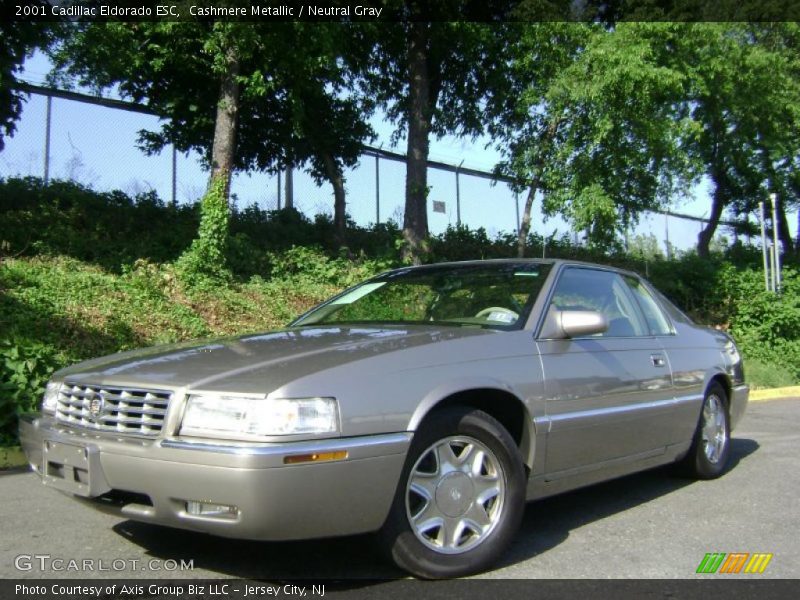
(256, 363)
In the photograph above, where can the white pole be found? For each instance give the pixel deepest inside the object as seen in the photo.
(458, 195)
(771, 266)
(764, 244)
(174, 175)
(48, 118)
(776, 248)
(378, 188)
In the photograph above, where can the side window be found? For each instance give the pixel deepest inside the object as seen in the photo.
(581, 288)
(656, 320)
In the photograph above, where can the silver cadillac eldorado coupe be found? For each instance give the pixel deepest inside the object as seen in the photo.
(427, 404)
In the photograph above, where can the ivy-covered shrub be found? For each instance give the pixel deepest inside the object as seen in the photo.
(206, 260)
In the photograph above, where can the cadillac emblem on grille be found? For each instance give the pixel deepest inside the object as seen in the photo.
(96, 407)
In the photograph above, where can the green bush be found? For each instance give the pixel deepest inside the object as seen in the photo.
(766, 325)
(310, 266)
(105, 228)
(24, 371)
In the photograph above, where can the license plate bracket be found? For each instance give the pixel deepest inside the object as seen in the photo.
(73, 468)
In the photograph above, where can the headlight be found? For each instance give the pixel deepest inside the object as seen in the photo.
(248, 418)
(50, 400)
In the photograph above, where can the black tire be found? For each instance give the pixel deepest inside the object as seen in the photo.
(469, 467)
(710, 450)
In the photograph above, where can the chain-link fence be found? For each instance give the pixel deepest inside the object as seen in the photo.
(93, 141)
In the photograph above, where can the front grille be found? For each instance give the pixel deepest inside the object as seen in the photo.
(122, 410)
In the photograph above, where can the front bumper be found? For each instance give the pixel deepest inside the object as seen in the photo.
(739, 397)
(152, 480)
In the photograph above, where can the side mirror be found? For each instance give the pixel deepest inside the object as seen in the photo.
(562, 324)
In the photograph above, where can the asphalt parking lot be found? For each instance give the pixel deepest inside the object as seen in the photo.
(650, 525)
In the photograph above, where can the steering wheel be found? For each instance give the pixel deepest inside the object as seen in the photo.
(483, 314)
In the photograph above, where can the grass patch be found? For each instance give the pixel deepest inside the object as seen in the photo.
(761, 375)
(56, 310)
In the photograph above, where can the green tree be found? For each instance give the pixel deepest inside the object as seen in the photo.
(741, 100)
(743, 94)
(593, 128)
(775, 60)
(433, 76)
(275, 108)
(643, 110)
(18, 40)
(524, 122)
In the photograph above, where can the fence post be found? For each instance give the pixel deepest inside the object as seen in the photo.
(174, 175)
(377, 189)
(289, 188)
(47, 139)
(458, 195)
(279, 190)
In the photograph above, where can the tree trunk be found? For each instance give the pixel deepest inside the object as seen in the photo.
(223, 149)
(719, 201)
(797, 241)
(336, 178)
(415, 220)
(525, 225)
(784, 235)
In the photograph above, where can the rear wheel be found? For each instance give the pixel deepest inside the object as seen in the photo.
(710, 450)
(460, 498)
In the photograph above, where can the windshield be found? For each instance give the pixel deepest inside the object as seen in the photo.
(496, 295)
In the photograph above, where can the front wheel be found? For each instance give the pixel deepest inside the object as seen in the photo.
(460, 498)
(710, 450)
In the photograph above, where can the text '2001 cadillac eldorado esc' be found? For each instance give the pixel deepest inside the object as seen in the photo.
(427, 404)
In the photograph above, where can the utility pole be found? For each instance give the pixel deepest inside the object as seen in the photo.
(48, 117)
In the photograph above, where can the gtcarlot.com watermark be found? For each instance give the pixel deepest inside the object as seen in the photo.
(53, 564)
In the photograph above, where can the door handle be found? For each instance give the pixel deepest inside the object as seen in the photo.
(657, 360)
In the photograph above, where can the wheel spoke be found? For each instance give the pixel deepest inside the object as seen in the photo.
(424, 485)
(451, 532)
(486, 488)
(477, 518)
(446, 459)
(709, 432)
(428, 512)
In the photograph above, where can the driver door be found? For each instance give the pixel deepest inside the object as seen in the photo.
(606, 394)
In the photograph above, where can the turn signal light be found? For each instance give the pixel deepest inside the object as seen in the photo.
(315, 457)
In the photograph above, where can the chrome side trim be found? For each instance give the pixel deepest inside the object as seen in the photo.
(564, 420)
(373, 445)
